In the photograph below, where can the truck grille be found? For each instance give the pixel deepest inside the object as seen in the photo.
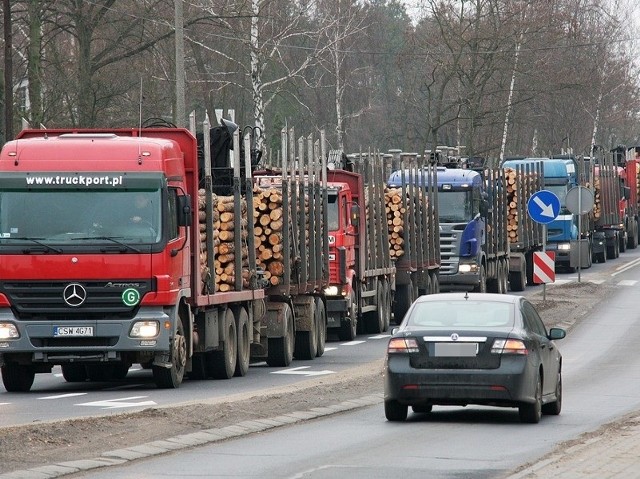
(35, 300)
(449, 246)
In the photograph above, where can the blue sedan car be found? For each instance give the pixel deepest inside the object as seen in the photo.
(473, 348)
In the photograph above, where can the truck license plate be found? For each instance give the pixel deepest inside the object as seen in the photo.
(73, 331)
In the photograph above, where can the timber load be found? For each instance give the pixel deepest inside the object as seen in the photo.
(268, 223)
(224, 249)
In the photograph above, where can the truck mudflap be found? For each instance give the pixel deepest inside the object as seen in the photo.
(304, 309)
(275, 321)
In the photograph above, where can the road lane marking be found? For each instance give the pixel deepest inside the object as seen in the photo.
(60, 396)
(301, 371)
(380, 336)
(627, 282)
(119, 403)
(625, 267)
(352, 343)
(596, 281)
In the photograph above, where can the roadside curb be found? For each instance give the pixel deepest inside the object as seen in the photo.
(122, 456)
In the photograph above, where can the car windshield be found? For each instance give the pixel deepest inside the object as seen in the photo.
(460, 314)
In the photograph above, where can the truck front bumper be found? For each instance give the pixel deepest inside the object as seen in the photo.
(91, 340)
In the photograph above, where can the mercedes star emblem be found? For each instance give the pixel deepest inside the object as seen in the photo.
(74, 294)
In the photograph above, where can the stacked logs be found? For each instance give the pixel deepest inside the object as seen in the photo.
(224, 249)
(268, 220)
(597, 200)
(511, 180)
(395, 221)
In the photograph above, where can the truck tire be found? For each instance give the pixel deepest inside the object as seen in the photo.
(633, 236)
(375, 319)
(74, 373)
(388, 304)
(517, 281)
(623, 243)
(171, 378)
(100, 372)
(307, 341)
(321, 324)
(17, 378)
(280, 353)
(349, 327)
(404, 299)
(505, 276)
(435, 283)
(482, 283)
(221, 364)
(244, 342)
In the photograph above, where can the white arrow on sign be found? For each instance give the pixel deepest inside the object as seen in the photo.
(119, 403)
(299, 371)
(547, 210)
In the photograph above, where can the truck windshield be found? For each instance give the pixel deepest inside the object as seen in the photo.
(455, 206)
(333, 213)
(68, 217)
(561, 192)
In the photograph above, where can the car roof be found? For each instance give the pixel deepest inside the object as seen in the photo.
(462, 296)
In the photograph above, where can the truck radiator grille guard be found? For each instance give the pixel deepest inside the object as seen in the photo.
(449, 248)
(46, 300)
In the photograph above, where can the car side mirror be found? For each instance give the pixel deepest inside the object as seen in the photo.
(394, 330)
(557, 333)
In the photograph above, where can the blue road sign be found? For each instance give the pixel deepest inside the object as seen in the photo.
(543, 206)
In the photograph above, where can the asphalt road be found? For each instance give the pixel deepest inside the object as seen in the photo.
(51, 398)
(601, 383)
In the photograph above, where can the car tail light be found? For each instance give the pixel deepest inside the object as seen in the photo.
(402, 345)
(509, 346)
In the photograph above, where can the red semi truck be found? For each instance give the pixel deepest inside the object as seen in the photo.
(94, 295)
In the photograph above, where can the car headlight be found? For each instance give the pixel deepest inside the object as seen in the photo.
(564, 246)
(145, 329)
(9, 331)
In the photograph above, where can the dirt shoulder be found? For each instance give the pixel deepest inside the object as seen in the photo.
(35, 445)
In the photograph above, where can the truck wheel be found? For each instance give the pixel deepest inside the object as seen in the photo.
(307, 341)
(222, 363)
(623, 243)
(349, 328)
(435, 283)
(244, 343)
(280, 352)
(388, 303)
(482, 284)
(171, 378)
(517, 281)
(321, 324)
(17, 378)
(375, 319)
(404, 299)
(74, 373)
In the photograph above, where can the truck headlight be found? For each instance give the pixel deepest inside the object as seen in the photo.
(332, 291)
(145, 329)
(564, 246)
(9, 331)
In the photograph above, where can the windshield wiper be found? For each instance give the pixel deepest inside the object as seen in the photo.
(108, 238)
(37, 241)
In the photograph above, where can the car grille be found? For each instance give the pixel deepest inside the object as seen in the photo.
(44, 300)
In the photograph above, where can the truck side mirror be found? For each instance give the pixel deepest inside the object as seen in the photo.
(355, 215)
(184, 210)
(484, 207)
(626, 192)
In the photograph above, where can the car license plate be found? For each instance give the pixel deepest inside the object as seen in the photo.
(73, 331)
(455, 349)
